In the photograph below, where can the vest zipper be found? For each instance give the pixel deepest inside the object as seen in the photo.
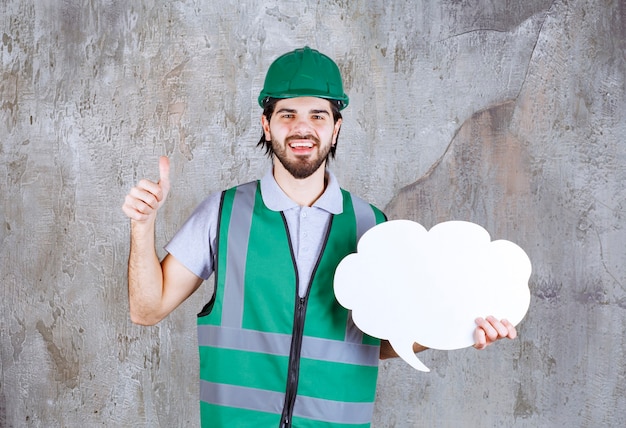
(293, 370)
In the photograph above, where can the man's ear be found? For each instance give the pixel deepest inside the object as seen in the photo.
(266, 128)
(336, 130)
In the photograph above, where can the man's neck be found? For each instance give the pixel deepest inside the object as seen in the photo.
(304, 191)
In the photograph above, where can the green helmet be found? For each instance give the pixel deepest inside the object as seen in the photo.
(304, 73)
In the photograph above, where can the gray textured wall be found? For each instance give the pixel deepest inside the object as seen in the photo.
(509, 113)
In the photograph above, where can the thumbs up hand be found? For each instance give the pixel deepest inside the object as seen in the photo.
(164, 178)
(143, 200)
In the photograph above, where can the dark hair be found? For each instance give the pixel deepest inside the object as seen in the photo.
(268, 111)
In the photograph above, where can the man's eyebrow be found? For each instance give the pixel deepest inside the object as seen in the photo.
(321, 111)
(287, 110)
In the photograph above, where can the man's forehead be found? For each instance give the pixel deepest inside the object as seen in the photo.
(303, 103)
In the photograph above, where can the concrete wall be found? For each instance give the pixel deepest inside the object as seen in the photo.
(508, 113)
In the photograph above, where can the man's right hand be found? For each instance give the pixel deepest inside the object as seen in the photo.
(154, 288)
(143, 200)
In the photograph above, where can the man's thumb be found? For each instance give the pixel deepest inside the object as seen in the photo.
(164, 169)
(164, 174)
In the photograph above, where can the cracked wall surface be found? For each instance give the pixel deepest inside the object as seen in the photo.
(508, 113)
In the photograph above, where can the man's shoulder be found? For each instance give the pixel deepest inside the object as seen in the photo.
(358, 199)
(244, 188)
(252, 184)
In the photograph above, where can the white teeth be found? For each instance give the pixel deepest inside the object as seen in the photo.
(307, 145)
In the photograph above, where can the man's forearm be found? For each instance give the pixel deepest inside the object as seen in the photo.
(145, 276)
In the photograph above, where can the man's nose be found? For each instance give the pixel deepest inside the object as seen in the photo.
(302, 126)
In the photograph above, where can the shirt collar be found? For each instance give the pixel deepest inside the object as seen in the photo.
(276, 200)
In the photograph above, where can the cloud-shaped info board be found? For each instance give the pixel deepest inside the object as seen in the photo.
(406, 284)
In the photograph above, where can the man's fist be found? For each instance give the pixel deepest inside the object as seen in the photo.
(143, 200)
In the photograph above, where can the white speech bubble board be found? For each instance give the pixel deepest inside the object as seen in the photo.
(406, 284)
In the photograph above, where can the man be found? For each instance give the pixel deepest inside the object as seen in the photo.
(275, 346)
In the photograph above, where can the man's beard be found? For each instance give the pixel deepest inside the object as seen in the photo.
(302, 166)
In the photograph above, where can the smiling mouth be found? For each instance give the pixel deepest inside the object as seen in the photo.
(302, 142)
(301, 145)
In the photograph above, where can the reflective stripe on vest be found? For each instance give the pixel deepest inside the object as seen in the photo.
(243, 205)
(266, 401)
(244, 363)
(278, 344)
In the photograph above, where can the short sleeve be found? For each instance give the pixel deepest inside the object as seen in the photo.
(194, 243)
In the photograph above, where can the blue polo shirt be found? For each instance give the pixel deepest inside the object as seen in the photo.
(194, 245)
